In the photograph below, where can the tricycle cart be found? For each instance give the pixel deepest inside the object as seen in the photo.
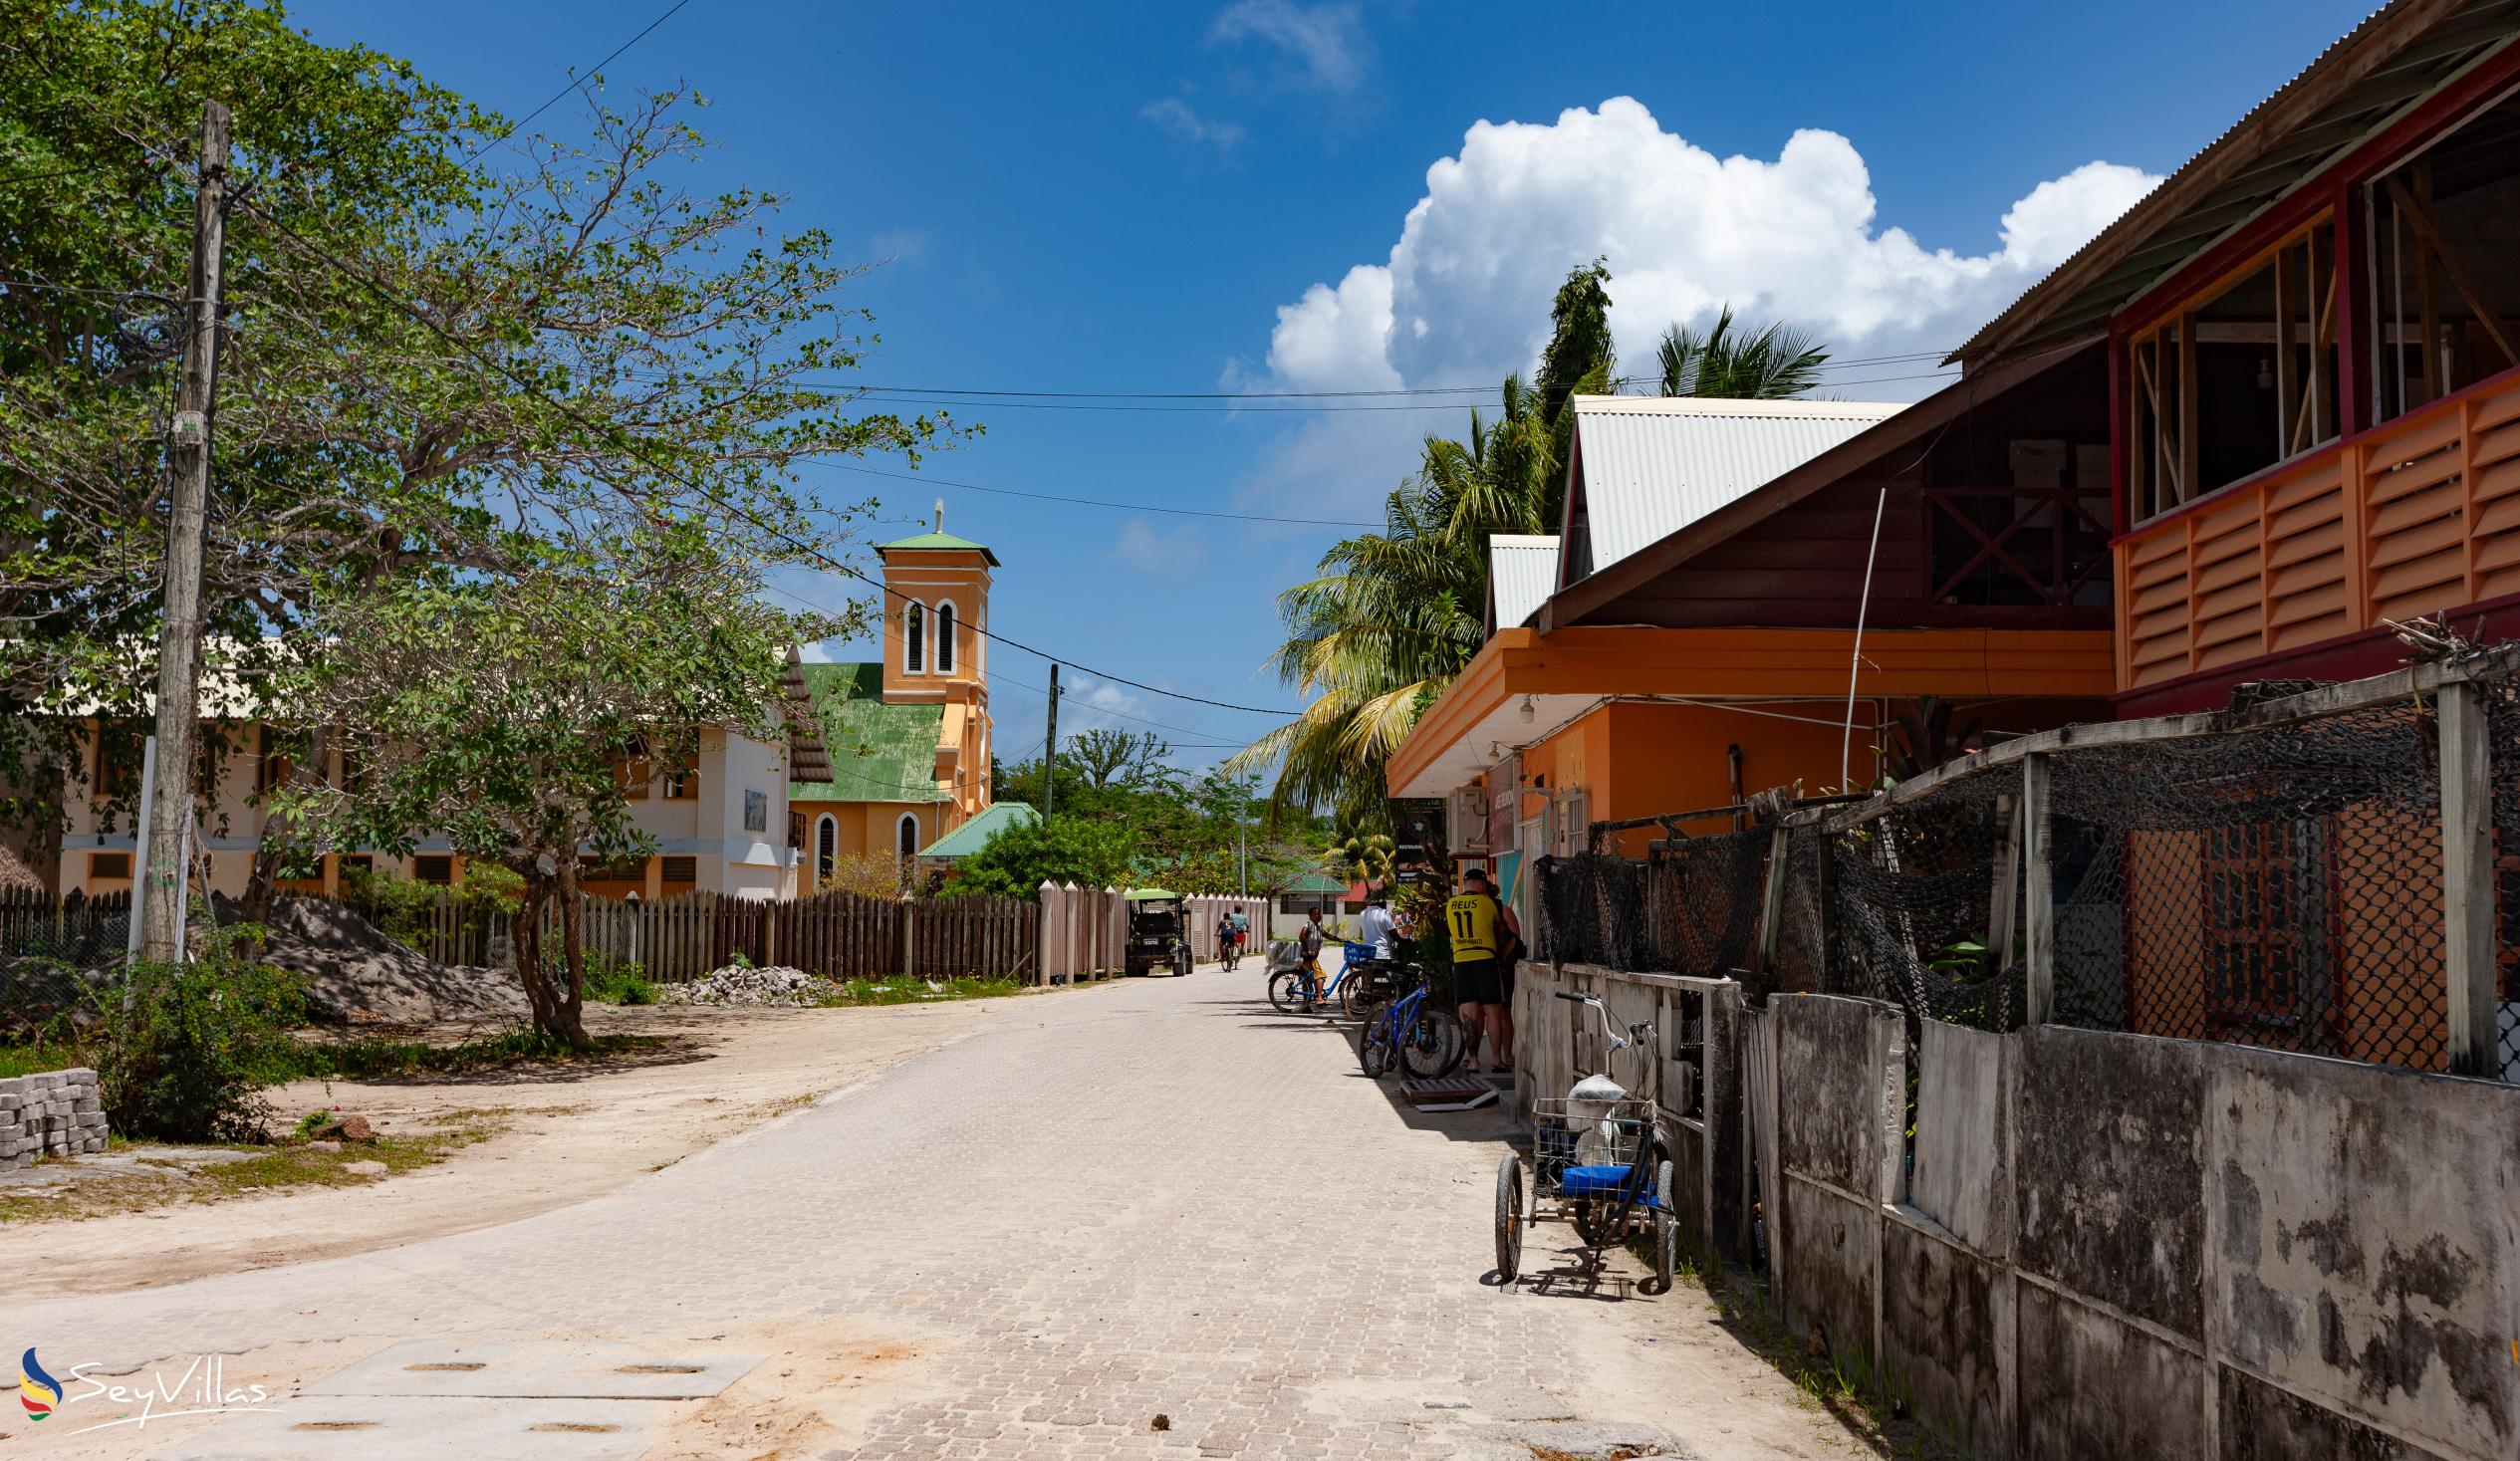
(1597, 1164)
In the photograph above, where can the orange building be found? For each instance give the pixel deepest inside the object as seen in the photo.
(1692, 635)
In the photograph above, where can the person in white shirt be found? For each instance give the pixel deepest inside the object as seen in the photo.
(1378, 929)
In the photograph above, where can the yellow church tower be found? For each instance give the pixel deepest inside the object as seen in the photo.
(935, 608)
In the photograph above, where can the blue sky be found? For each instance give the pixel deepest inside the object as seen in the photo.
(1208, 196)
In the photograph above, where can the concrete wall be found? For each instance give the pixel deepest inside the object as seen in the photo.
(2124, 1246)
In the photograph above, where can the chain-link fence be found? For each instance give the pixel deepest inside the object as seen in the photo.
(2274, 876)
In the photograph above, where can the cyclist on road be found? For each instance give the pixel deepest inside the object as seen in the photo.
(1229, 940)
(1484, 938)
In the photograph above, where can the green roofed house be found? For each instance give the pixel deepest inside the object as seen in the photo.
(891, 756)
(974, 834)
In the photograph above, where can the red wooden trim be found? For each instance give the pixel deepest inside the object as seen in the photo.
(2437, 113)
(2410, 421)
(2119, 507)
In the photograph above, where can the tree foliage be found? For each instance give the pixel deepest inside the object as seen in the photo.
(431, 364)
(1391, 617)
(1779, 361)
(1066, 849)
(514, 717)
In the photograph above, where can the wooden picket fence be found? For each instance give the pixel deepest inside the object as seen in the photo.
(838, 934)
(78, 929)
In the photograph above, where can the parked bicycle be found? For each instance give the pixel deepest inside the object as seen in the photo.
(1361, 984)
(1596, 1155)
(1413, 1034)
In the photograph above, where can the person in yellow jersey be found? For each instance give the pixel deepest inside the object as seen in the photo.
(1485, 939)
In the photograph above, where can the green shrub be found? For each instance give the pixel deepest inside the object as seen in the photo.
(186, 1048)
(613, 981)
(400, 905)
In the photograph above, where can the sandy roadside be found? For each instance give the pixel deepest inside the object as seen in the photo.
(569, 1133)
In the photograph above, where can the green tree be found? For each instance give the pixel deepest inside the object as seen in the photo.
(430, 365)
(1062, 850)
(1776, 361)
(513, 716)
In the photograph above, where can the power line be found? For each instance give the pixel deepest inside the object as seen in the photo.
(807, 550)
(1831, 364)
(577, 79)
(1182, 512)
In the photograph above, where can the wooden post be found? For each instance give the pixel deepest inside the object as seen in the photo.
(2005, 903)
(158, 894)
(2468, 880)
(1772, 903)
(2038, 853)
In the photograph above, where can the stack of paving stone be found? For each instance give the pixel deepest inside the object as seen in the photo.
(54, 1113)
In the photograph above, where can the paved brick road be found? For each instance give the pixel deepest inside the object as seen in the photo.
(1160, 1197)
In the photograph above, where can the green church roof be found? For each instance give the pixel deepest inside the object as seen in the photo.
(878, 752)
(945, 542)
(974, 834)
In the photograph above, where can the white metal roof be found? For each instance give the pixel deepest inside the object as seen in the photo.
(1652, 465)
(1522, 571)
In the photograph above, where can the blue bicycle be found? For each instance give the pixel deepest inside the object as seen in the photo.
(1300, 987)
(1421, 1037)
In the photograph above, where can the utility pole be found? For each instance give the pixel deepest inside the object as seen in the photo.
(1242, 836)
(1050, 751)
(162, 897)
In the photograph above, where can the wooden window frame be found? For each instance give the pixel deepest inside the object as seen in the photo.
(915, 638)
(97, 863)
(2159, 371)
(945, 619)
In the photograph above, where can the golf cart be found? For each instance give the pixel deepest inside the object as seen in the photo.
(1158, 931)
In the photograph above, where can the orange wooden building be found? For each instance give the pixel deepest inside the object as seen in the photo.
(1698, 640)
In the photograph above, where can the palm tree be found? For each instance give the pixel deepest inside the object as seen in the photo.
(1390, 618)
(1777, 361)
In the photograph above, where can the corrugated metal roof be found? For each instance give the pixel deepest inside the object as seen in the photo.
(974, 834)
(873, 751)
(1522, 571)
(1652, 465)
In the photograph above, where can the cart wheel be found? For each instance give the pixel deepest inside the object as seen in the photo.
(1509, 1221)
(1666, 1234)
(1286, 991)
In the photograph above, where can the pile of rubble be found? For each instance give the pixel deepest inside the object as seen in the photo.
(356, 975)
(744, 984)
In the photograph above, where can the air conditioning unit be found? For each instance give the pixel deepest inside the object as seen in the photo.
(1470, 819)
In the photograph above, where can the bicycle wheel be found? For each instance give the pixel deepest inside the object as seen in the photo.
(1509, 1220)
(1665, 1236)
(1286, 990)
(1432, 1046)
(1374, 1048)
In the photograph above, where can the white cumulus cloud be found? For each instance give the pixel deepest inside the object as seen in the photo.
(1463, 296)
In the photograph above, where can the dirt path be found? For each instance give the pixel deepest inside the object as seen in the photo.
(564, 1133)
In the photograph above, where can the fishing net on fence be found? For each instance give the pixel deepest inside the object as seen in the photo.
(1915, 894)
(1703, 901)
(1593, 910)
(2502, 736)
(1802, 935)
(2278, 888)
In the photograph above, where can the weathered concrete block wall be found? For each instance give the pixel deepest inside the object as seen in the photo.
(1839, 1143)
(52, 1114)
(2124, 1246)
